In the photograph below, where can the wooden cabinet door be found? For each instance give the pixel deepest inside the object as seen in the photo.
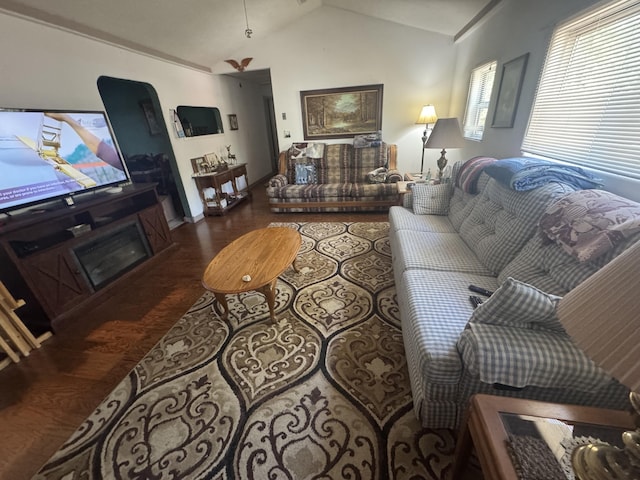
(56, 280)
(156, 228)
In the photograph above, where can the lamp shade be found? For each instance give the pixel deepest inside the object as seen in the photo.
(446, 134)
(602, 315)
(427, 115)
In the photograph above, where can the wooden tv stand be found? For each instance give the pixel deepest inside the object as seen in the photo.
(63, 256)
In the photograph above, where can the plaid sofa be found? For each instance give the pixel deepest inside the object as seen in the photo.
(342, 181)
(484, 239)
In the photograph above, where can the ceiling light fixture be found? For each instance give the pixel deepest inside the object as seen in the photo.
(248, 32)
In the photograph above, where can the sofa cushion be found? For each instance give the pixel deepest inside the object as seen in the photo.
(335, 166)
(589, 223)
(365, 160)
(518, 304)
(401, 218)
(434, 251)
(430, 329)
(436, 307)
(375, 190)
(461, 202)
(547, 266)
(431, 199)
(503, 220)
(313, 191)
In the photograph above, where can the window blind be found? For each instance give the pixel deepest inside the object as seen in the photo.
(480, 87)
(587, 106)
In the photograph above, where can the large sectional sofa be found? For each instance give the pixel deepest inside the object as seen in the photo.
(318, 177)
(447, 237)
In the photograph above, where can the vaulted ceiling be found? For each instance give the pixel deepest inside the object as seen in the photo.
(201, 33)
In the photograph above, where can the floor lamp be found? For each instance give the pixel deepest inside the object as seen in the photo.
(427, 116)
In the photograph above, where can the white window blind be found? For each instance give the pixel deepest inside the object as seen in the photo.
(480, 88)
(587, 106)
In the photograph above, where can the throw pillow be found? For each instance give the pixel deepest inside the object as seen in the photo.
(589, 223)
(518, 304)
(305, 173)
(431, 199)
(379, 175)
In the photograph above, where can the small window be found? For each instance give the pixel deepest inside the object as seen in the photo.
(480, 88)
(587, 107)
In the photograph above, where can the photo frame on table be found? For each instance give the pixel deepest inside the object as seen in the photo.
(341, 112)
(233, 121)
(509, 92)
(150, 116)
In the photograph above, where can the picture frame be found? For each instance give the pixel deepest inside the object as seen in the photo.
(511, 80)
(150, 116)
(199, 166)
(341, 112)
(233, 121)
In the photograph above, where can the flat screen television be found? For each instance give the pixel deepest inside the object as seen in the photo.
(49, 154)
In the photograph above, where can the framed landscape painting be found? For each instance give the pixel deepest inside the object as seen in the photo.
(341, 112)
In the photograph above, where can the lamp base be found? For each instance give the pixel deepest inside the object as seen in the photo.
(442, 163)
(604, 462)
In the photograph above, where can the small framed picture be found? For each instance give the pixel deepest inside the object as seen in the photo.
(233, 121)
(199, 165)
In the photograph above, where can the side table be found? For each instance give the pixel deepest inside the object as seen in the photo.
(483, 427)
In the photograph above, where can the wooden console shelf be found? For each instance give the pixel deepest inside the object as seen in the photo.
(221, 202)
(63, 256)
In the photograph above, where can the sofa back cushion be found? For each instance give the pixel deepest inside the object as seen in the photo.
(364, 160)
(462, 202)
(334, 166)
(549, 267)
(340, 163)
(503, 220)
(306, 154)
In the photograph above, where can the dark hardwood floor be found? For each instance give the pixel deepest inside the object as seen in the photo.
(45, 397)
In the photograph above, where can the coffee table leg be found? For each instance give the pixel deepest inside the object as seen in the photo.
(222, 300)
(269, 291)
(295, 267)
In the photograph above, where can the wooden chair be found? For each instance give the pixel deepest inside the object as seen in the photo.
(15, 337)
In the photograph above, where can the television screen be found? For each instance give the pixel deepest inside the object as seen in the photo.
(49, 154)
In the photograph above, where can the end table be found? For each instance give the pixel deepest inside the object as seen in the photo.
(483, 427)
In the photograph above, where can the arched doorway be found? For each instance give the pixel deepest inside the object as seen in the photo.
(136, 117)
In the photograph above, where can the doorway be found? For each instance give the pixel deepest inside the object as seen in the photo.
(134, 111)
(261, 81)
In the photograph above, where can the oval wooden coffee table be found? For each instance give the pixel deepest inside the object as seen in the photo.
(262, 255)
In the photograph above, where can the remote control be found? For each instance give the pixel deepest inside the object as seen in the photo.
(475, 301)
(480, 290)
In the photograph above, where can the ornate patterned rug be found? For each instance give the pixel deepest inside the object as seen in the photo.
(322, 394)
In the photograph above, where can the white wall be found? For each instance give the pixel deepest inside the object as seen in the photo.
(44, 67)
(331, 47)
(515, 28)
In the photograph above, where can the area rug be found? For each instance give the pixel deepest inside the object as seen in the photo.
(322, 394)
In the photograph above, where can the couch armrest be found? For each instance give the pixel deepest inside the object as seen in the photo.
(520, 357)
(278, 181)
